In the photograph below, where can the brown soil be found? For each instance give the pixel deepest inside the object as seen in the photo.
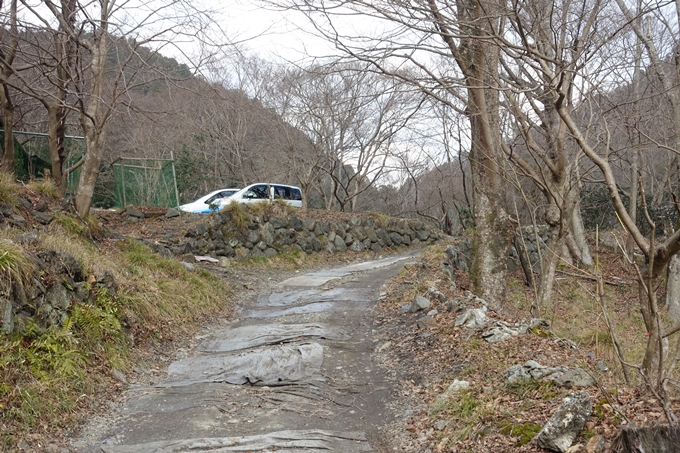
(426, 361)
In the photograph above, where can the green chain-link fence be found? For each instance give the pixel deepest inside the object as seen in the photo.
(145, 182)
(32, 155)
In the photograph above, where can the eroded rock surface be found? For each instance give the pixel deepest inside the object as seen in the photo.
(295, 373)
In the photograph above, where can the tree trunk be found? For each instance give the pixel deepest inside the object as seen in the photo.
(579, 237)
(673, 289)
(55, 138)
(354, 196)
(549, 261)
(94, 143)
(494, 230)
(632, 206)
(92, 121)
(524, 260)
(304, 189)
(8, 123)
(5, 97)
(656, 352)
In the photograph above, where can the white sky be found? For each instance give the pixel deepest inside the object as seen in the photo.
(271, 34)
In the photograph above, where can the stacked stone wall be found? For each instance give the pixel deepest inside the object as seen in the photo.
(269, 236)
(530, 241)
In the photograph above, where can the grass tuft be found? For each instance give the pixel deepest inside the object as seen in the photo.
(239, 214)
(278, 208)
(525, 432)
(381, 220)
(9, 191)
(73, 225)
(463, 411)
(531, 387)
(15, 265)
(45, 188)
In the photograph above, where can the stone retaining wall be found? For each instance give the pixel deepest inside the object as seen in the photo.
(534, 240)
(459, 256)
(46, 298)
(268, 236)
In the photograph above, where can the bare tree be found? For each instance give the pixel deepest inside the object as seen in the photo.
(443, 47)
(352, 118)
(87, 37)
(598, 148)
(540, 42)
(433, 169)
(41, 67)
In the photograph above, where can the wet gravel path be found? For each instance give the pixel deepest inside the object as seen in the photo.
(294, 373)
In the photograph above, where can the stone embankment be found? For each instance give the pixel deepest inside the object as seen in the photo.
(46, 297)
(529, 243)
(222, 236)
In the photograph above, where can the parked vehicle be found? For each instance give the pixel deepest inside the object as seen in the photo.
(209, 203)
(267, 192)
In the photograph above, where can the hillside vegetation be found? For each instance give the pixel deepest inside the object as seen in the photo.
(492, 415)
(52, 375)
(132, 309)
(129, 309)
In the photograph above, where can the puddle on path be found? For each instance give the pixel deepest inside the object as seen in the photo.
(314, 307)
(293, 297)
(290, 441)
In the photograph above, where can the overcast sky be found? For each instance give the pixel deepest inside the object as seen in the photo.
(270, 33)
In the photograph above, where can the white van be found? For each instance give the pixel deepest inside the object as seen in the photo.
(262, 191)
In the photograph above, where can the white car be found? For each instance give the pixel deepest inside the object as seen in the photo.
(209, 203)
(265, 191)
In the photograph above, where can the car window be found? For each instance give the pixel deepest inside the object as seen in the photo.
(260, 191)
(295, 194)
(214, 198)
(281, 192)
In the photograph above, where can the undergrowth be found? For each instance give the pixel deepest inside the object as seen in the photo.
(493, 414)
(9, 190)
(44, 373)
(48, 377)
(45, 188)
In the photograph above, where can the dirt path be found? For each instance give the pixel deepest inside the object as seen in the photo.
(294, 373)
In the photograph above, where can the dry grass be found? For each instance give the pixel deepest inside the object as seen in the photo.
(47, 374)
(9, 190)
(43, 188)
(575, 313)
(239, 214)
(491, 417)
